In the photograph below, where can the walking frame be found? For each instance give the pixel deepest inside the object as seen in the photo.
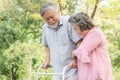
(46, 74)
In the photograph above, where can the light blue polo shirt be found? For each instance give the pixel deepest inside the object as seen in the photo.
(61, 42)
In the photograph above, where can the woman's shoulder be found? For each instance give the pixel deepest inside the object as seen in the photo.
(96, 31)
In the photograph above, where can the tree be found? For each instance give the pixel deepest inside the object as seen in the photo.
(20, 33)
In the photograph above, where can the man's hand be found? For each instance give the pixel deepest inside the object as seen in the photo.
(46, 65)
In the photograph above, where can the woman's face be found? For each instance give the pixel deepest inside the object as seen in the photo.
(77, 29)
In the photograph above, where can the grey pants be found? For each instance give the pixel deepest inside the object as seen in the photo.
(73, 77)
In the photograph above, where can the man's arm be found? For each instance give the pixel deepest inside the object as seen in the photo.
(47, 60)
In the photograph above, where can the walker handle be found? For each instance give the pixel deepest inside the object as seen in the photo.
(63, 73)
(48, 66)
(41, 66)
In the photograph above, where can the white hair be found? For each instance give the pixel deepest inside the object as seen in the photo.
(47, 6)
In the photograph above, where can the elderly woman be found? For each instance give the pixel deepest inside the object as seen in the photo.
(93, 61)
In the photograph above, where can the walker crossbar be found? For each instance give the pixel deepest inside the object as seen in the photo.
(62, 74)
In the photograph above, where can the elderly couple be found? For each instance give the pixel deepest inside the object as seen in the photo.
(77, 42)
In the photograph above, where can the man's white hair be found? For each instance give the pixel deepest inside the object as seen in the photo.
(47, 6)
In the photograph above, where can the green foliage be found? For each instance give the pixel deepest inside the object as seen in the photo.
(113, 37)
(69, 8)
(22, 55)
(17, 23)
(20, 34)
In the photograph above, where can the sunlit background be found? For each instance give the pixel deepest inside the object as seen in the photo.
(21, 51)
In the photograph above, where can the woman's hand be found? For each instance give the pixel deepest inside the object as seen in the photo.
(73, 63)
(74, 55)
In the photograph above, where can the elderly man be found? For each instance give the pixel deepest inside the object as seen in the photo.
(59, 39)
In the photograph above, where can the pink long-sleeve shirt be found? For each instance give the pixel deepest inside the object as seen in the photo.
(93, 58)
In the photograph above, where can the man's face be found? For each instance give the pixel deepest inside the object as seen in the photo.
(52, 18)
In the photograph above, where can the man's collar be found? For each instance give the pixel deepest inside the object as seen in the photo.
(61, 20)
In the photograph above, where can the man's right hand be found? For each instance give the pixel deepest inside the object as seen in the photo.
(45, 65)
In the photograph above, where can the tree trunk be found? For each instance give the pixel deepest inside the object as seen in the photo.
(60, 6)
(10, 76)
(30, 69)
(95, 8)
(30, 64)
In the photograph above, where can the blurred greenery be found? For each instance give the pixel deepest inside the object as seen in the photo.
(21, 51)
